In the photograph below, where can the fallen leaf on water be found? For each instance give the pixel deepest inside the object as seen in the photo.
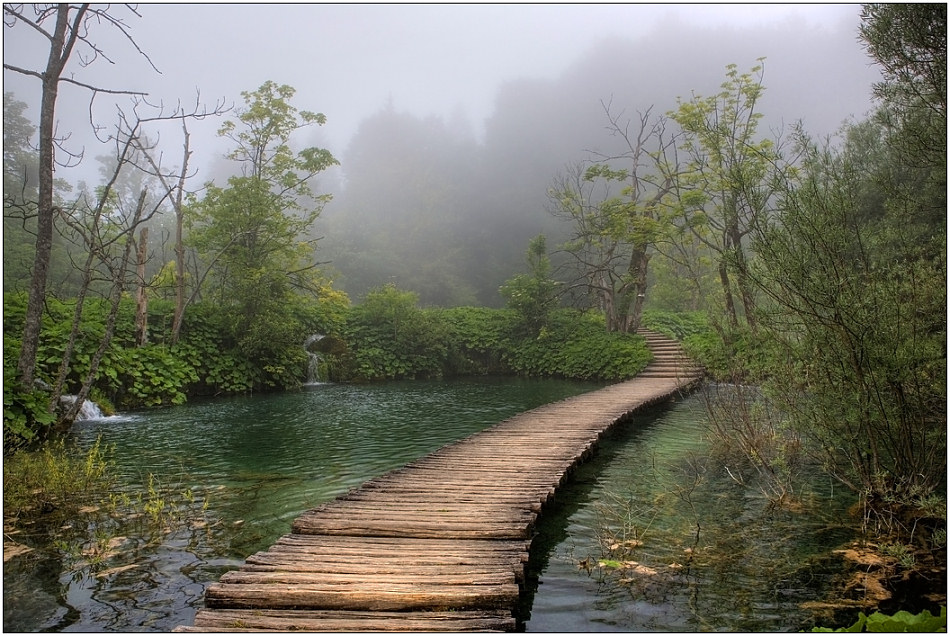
(12, 549)
(116, 570)
(115, 542)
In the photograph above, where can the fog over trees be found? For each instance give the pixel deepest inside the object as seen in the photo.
(443, 201)
(428, 205)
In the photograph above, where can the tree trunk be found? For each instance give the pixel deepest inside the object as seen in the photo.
(58, 54)
(639, 262)
(180, 243)
(727, 292)
(141, 298)
(742, 275)
(745, 291)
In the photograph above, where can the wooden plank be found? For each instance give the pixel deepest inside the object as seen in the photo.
(406, 577)
(424, 569)
(353, 621)
(371, 595)
(423, 530)
(384, 562)
(335, 543)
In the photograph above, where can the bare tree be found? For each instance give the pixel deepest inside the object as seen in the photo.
(70, 30)
(109, 239)
(614, 205)
(177, 203)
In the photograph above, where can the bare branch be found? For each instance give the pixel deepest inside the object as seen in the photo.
(17, 69)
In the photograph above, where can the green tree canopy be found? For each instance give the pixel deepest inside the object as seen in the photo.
(253, 232)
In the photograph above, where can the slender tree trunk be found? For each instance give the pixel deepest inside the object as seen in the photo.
(59, 51)
(727, 292)
(180, 243)
(742, 276)
(74, 330)
(639, 264)
(141, 298)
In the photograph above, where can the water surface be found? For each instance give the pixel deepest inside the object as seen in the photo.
(233, 473)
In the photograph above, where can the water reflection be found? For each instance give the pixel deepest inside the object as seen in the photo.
(689, 548)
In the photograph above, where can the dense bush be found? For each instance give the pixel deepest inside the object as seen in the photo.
(677, 325)
(478, 335)
(577, 345)
(389, 337)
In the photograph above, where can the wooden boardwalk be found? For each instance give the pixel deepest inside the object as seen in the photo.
(439, 544)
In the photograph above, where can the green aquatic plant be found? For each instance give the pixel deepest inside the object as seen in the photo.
(902, 621)
(54, 478)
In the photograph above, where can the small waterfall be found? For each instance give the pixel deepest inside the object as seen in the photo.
(314, 359)
(89, 410)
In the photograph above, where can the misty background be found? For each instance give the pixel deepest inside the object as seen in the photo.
(452, 121)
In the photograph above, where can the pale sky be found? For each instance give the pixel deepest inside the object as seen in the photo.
(349, 60)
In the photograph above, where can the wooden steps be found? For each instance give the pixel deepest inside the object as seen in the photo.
(441, 543)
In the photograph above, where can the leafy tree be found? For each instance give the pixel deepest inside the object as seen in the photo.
(865, 331)
(253, 232)
(909, 43)
(853, 265)
(533, 296)
(728, 180)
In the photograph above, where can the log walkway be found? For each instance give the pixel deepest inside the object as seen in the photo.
(441, 543)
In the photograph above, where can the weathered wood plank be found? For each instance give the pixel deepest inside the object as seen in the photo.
(370, 595)
(353, 621)
(419, 529)
(420, 569)
(406, 577)
(334, 543)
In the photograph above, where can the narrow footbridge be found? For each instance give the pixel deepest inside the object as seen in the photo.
(439, 544)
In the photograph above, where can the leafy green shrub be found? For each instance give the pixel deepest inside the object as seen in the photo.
(25, 414)
(219, 368)
(389, 337)
(532, 296)
(148, 376)
(902, 621)
(577, 345)
(477, 336)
